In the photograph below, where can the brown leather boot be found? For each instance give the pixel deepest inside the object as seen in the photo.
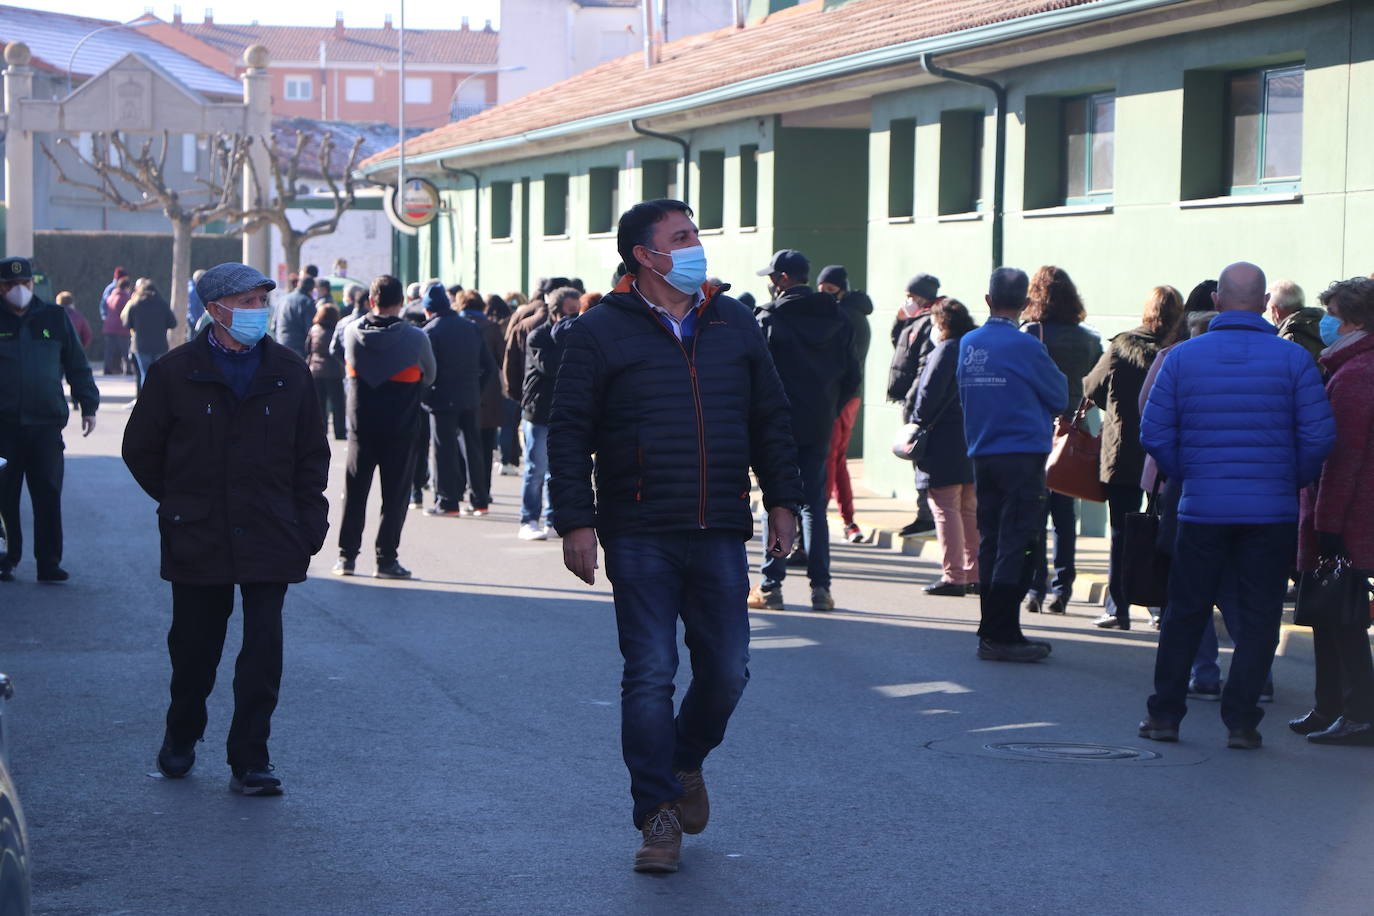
(694, 807)
(662, 847)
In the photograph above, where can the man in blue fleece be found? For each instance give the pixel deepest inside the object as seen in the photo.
(1241, 417)
(1011, 392)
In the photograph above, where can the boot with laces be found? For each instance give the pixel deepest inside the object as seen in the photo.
(662, 847)
(694, 807)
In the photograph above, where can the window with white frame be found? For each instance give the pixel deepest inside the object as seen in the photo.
(299, 88)
(359, 88)
(189, 154)
(419, 90)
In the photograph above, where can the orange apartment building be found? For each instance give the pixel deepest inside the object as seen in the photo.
(350, 73)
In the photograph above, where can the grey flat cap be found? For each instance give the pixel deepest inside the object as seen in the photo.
(230, 280)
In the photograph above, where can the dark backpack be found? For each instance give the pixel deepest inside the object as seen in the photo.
(913, 346)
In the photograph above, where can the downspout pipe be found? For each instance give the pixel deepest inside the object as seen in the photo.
(686, 156)
(476, 221)
(999, 166)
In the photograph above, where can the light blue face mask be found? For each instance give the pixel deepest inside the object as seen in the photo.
(1330, 332)
(249, 324)
(689, 268)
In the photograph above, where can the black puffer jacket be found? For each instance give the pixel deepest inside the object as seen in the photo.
(674, 431)
(542, 351)
(811, 341)
(856, 306)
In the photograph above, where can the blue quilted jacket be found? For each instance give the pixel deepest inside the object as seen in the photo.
(1242, 418)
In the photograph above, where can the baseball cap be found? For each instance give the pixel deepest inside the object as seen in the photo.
(787, 261)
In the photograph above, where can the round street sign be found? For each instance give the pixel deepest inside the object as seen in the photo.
(419, 203)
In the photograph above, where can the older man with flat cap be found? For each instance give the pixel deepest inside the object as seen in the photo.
(227, 438)
(38, 347)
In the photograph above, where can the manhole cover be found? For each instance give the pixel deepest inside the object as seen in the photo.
(1053, 750)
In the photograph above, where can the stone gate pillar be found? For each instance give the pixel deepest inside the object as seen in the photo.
(257, 98)
(18, 153)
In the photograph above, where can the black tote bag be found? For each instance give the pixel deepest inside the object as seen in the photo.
(1144, 567)
(1333, 594)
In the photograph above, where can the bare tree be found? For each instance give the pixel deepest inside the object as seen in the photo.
(135, 179)
(287, 188)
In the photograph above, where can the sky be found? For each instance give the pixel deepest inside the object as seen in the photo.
(420, 14)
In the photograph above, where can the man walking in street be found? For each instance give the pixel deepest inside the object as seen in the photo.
(1011, 392)
(667, 388)
(463, 367)
(1241, 417)
(912, 344)
(856, 306)
(38, 348)
(389, 363)
(541, 368)
(294, 318)
(811, 343)
(227, 439)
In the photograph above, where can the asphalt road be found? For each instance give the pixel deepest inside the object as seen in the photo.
(450, 745)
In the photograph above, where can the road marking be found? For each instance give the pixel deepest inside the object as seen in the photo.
(921, 688)
(1007, 728)
(781, 642)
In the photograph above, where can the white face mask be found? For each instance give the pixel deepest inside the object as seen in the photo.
(19, 296)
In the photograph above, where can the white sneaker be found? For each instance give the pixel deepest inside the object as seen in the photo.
(510, 470)
(532, 532)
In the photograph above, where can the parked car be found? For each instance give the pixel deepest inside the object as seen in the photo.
(14, 838)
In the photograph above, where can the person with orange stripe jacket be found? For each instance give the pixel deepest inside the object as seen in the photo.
(390, 364)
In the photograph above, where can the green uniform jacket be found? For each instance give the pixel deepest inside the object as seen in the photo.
(37, 349)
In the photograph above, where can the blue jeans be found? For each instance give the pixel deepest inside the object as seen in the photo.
(534, 500)
(1257, 559)
(143, 361)
(1060, 509)
(702, 577)
(815, 527)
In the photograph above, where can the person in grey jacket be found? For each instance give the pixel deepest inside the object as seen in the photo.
(292, 323)
(389, 363)
(1055, 315)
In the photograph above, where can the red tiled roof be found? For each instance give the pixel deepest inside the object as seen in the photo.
(423, 46)
(794, 37)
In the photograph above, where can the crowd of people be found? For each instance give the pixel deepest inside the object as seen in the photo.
(641, 422)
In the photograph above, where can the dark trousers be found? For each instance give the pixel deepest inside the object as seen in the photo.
(1257, 559)
(459, 460)
(200, 616)
(1121, 500)
(1011, 511)
(420, 459)
(702, 577)
(815, 527)
(393, 456)
(34, 454)
(1059, 510)
(489, 437)
(510, 431)
(330, 393)
(1345, 672)
(116, 353)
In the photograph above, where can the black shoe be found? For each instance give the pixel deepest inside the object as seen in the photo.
(919, 526)
(175, 760)
(1158, 729)
(1344, 731)
(1057, 604)
(1011, 651)
(390, 569)
(945, 589)
(1049, 649)
(1031, 604)
(1311, 723)
(1211, 692)
(1246, 739)
(972, 588)
(56, 574)
(6, 574)
(344, 566)
(255, 781)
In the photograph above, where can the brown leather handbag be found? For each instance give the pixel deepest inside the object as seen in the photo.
(1075, 462)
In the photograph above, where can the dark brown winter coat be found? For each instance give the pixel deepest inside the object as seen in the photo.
(239, 485)
(1114, 386)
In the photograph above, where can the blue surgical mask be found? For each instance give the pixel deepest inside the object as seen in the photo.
(249, 325)
(1330, 329)
(689, 268)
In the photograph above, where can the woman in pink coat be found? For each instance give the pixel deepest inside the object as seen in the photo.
(1338, 520)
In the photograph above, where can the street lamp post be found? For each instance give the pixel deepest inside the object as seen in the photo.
(453, 99)
(71, 59)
